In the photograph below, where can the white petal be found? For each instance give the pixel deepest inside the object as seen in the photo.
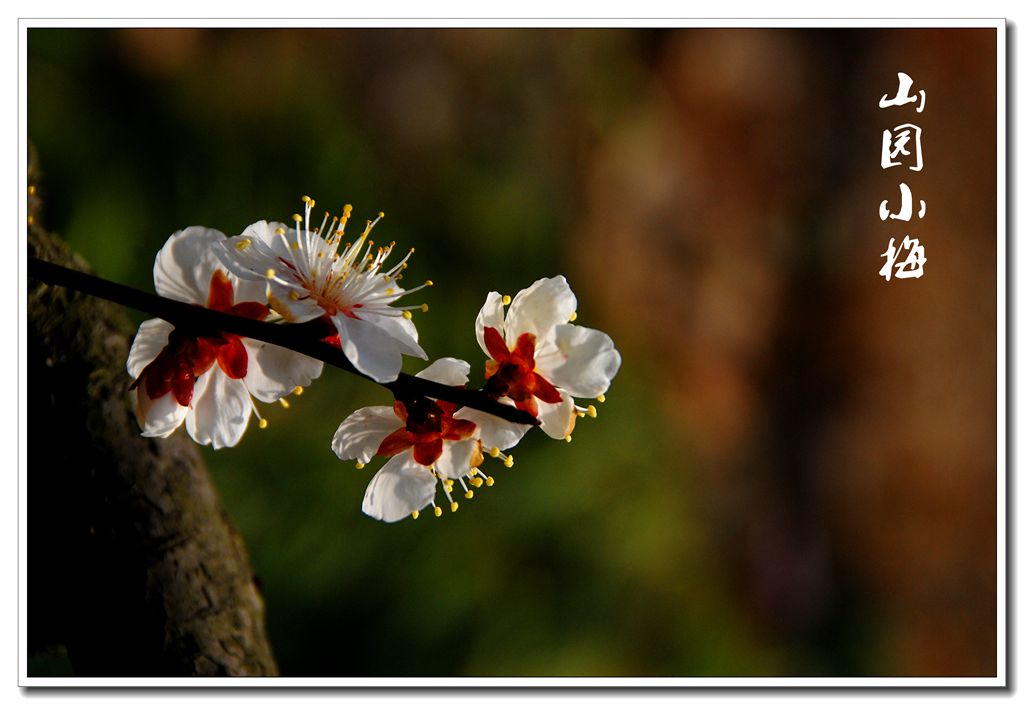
(582, 361)
(274, 372)
(370, 350)
(158, 418)
(446, 370)
(494, 432)
(185, 264)
(400, 488)
(250, 254)
(557, 420)
(401, 329)
(149, 341)
(294, 310)
(538, 309)
(359, 436)
(492, 315)
(220, 413)
(457, 458)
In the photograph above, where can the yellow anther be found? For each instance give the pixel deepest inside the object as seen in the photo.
(389, 291)
(32, 190)
(295, 245)
(490, 481)
(360, 466)
(346, 211)
(243, 244)
(437, 511)
(271, 273)
(312, 203)
(572, 317)
(600, 398)
(509, 461)
(429, 282)
(298, 391)
(31, 219)
(424, 308)
(455, 507)
(469, 494)
(506, 300)
(280, 231)
(592, 411)
(296, 217)
(407, 315)
(306, 199)
(476, 482)
(449, 484)
(494, 452)
(568, 439)
(415, 515)
(380, 214)
(284, 403)
(264, 423)
(294, 295)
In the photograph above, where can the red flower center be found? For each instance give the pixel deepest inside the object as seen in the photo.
(428, 424)
(187, 356)
(511, 373)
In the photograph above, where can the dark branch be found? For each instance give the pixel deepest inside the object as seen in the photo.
(305, 338)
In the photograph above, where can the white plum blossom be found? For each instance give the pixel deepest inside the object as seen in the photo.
(425, 442)
(540, 360)
(206, 381)
(308, 275)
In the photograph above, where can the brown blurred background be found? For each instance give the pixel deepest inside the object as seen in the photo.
(795, 473)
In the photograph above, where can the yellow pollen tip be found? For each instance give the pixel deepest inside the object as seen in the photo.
(407, 315)
(346, 211)
(437, 511)
(389, 291)
(263, 423)
(32, 190)
(568, 439)
(592, 411)
(241, 245)
(476, 482)
(424, 308)
(270, 273)
(490, 481)
(360, 466)
(284, 403)
(509, 462)
(306, 199)
(294, 295)
(494, 452)
(312, 203)
(572, 317)
(31, 219)
(455, 507)
(429, 282)
(601, 398)
(380, 214)
(415, 515)
(280, 231)
(506, 300)
(296, 217)
(469, 494)
(298, 391)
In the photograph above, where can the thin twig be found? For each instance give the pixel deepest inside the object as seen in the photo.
(304, 338)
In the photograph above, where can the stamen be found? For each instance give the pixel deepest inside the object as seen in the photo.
(298, 391)
(263, 423)
(455, 507)
(592, 411)
(437, 511)
(360, 466)
(284, 403)
(469, 494)
(572, 317)
(506, 300)
(243, 244)
(601, 398)
(415, 515)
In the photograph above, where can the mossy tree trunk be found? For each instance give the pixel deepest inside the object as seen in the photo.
(133, 564)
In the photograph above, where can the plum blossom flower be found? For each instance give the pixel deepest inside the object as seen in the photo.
(207, 381)
(426, 444)
(539, 360)
(307, 277)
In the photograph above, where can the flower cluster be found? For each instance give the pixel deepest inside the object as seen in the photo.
(538, 361)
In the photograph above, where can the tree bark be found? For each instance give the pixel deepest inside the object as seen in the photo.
(133, 564)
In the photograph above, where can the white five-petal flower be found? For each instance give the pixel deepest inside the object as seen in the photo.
(539, 360)
(426, 442)
(206, 382)
(308, 277)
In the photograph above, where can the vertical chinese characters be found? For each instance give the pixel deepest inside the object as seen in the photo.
(901, 147)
